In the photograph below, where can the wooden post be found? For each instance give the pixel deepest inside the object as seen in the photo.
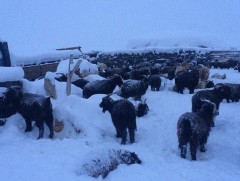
(5, 54)
(70, 74)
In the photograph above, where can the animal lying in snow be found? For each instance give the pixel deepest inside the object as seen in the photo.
(142, 108)
(123, 117)
(101, 86)
(32, 107)
(194, 128)
(105, 161)
(78, 83)
(219, 76)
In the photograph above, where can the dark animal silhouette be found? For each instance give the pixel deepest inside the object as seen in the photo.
(187, 80)
(155, 82)
(32, 107)
(134, 88)
(123, 117)
(194, 128)
(101, 86)
(142, 109)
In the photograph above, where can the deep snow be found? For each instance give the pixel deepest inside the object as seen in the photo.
(25, 158)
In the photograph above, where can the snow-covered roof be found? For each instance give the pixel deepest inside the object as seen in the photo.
(11, 74)
(44, 57)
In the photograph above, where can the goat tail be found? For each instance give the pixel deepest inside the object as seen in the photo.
(184, 132)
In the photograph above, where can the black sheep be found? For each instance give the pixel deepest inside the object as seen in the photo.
(194, 128)
(123, 117)
(101, 86)
(188, 79)
(103, 162)
(134, 88)
(32, 107)
(155, 82)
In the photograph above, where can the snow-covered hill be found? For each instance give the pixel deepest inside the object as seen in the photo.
(33, 28)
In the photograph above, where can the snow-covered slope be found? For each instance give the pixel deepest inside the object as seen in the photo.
(33, 28)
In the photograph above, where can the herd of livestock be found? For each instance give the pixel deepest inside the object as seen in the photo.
(193, 128)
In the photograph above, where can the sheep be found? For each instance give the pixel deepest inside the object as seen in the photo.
(216, 96)
(123, 117)
(142, 108)
(187, 79)
(105, 161)
(219, 76)
(203, 73)
(155, 82)
(194, 128)
(134, 88)
(101, 86)
(32, 107)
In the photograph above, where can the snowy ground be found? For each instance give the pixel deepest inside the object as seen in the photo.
(25, 158)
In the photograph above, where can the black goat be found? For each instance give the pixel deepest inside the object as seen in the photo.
(235, 91)
(134, 88)
(155, 82)
(32, 107)
(187, 79)
(194, 128)
(142, 109)
(216, 96)
(101, 86)
(79, 82)
(123, 117)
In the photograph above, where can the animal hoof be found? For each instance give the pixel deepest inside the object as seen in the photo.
(183, 156)
(194, 158)
(123, 143)
(28, 130)
(202, 149)
(118, 136)
(51, 136)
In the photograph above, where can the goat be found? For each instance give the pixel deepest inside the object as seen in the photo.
(155, 82)
(216, 96)
(101, 86)
(194, 128)
(134, 88)
(142, 108)
(187, 79)
(31, 107)
(123, 117)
